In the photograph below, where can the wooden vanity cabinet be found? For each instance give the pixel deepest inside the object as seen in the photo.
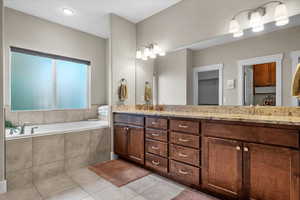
(245, 170)
(129, 139)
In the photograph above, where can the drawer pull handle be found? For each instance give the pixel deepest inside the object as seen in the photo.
(153, 123)
(136, 158)
(183, 140)
(183, 172)
(155, 134)
(238, 148)
(246, 149)
(183, 155)
(182, 126)
(155, 162)
(154, 148)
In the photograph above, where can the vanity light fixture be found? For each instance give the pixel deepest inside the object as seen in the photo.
(256, 15)
(68, 11)
(150, 51)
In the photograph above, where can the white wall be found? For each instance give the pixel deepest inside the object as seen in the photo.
(283, 41)
(122, 56)
(26, 31)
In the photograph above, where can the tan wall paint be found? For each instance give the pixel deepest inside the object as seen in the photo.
(122, 56)
(173, 81)
(283, 41)
(22, 30)
(2, 152)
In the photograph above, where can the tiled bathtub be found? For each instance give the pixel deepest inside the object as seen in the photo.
(53, 149)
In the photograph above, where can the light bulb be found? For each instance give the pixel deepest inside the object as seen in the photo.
(256, 22)
(234, 26)
(138, 54)
(281, 15)
(68, 11)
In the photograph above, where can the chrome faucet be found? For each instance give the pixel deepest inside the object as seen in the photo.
(32, 129)
(23, 128)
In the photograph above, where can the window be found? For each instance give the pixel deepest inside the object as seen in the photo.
(41, 81)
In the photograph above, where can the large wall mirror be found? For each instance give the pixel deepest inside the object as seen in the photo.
(256, 69)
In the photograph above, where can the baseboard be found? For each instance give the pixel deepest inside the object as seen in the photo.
(113, 156)
(3, 186)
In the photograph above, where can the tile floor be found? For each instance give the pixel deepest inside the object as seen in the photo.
(83, 184)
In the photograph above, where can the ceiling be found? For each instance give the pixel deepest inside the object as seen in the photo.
(91, 16)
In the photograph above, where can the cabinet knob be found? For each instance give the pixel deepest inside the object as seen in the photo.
(238, 148)
(246, 149)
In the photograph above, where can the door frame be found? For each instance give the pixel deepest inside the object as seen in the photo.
(260, 60)
(295, 55)
(206, 68)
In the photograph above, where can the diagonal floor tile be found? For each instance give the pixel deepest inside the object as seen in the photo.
(71, 194)
(54, 185)
(115, 193)
(22, 194)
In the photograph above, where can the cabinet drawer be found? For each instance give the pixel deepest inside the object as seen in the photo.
(185, 126)
(129, 119)
(157, 163)
(157, 135)
(184, 154)
(185, 173)
(152, 122)
(156, 147)
(185, 139)
(256, 134)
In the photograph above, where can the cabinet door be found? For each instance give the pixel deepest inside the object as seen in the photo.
(272, 73)
(271, 172)
(261, 75)
(120, 140)
(222, 166)
(136, 144)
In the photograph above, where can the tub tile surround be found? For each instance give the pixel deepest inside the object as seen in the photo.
(256, 114)
(36, 159)
(51, 116)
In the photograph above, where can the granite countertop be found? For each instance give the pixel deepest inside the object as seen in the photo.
(281, 120)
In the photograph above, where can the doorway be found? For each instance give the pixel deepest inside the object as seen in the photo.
(208, 85)
(260, 81)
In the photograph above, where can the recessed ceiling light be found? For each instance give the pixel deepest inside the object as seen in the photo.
(68, 11)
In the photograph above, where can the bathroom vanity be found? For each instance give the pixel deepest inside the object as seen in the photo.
(228, 157)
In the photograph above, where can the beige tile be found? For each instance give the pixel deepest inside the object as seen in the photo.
(19, 179)
(99, 157)
(47, 149)
(12, 117)
(100, 144)
(55, 116)
(83, 175)
(77, 162)
(88, 198)
(161, 191)
(141, 185)
(32, 117)
(97, 186)
(49, 170)
(55, 185)
(75, 115)
(18, 154)
(114, 193)
(29, 193)
(92, 113)
(77, 144)
(71, 194)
